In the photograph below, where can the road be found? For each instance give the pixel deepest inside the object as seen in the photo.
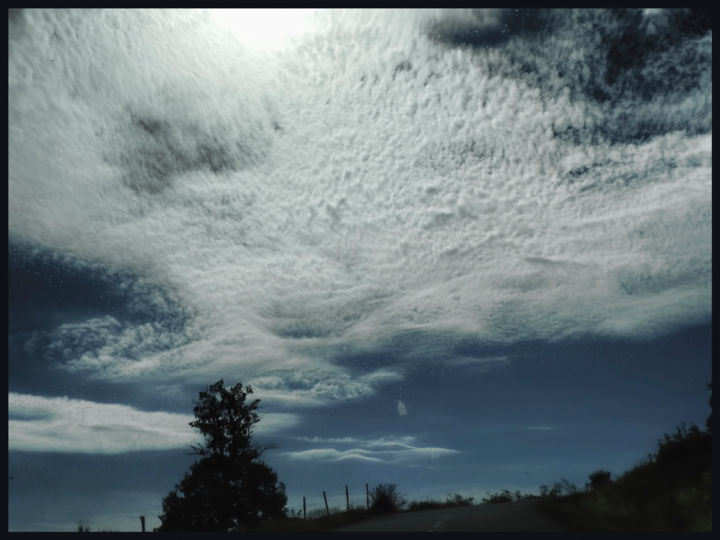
(510, 516)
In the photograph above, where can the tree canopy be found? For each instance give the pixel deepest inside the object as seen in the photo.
(228, 488)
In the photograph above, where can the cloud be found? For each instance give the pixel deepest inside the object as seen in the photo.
(384, 450)
(367, 182)
(402, 411)
(312, 386)
(331, 454)
(42, 424)
(484, 363)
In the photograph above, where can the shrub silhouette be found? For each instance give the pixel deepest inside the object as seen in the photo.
(458, 500)
(228, 488)
(599, 479)
(685, 452)
(670, 491)
(385, 499)
(497, 498)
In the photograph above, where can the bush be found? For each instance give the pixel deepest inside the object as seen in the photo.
(599, 479)
(681, 447)
(496, 498)
(385, 499)
(458, 500)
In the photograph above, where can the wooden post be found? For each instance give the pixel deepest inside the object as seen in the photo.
(367, 496)
(347, 497)
(142, 523)
(304, 510)
(327, 508)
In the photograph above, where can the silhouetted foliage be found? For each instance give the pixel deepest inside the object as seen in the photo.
(599, 479)
(385, 499)
(227, 489)
(508, 496)
(496, 498)
(680, 452)
(670, 491)
(458, 500)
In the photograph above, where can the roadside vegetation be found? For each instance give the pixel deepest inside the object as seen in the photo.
(670, 491)
(383, 499)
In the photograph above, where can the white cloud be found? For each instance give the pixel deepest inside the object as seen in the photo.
(312, 386)
(401, 450)
(331, 454)
(42, 424)
(402, 411)
(366, 182)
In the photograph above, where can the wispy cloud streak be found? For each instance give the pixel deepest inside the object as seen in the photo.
(42, 424)
(385, 450)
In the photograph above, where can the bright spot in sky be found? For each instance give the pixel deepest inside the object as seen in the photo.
(402, 411)
(267, 29)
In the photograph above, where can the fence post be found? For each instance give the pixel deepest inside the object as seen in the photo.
(304, 511)
(367, 496)
(347, 498)
(142, 523)
(327, 508)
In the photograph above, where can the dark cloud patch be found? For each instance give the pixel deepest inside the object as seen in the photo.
(614, 175)
(478, 28)
(161, 147)
(642, 73)
(305, 329)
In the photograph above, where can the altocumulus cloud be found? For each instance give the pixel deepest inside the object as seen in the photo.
(400, 450)
(378, 177)
(41, 424)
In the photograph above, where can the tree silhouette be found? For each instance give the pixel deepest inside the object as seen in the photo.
(228, 488)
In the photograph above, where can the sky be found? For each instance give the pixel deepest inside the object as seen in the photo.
(456, 250)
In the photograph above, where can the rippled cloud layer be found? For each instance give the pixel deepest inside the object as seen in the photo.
(480, 173)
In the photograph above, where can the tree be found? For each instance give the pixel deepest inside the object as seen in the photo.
(228, 488)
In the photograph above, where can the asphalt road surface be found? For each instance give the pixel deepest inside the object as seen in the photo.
(510, 516)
